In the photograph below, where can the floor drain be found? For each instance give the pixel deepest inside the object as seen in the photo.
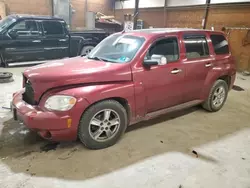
(238, 88)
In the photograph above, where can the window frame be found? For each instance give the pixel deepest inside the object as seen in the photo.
(58, 21)
(217, 34)
(165, 38)
(197, 35)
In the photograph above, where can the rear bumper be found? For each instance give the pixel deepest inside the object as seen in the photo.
(57, 126)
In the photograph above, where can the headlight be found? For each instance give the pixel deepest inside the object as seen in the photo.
(60, 102)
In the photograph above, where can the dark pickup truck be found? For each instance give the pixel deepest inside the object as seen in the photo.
(25, 38)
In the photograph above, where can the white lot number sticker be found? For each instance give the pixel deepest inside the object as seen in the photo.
(128, 26)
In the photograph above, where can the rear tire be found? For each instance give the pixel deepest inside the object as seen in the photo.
(217, 96)
(103, 124)
(86, 50)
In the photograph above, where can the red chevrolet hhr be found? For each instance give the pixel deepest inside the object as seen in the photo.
(129, 77)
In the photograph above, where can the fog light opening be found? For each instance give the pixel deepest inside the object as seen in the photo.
(45, 134)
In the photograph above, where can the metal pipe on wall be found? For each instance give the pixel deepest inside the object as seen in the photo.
(86, 12)
(52, 8)
(136, 12)
(165, 9)
(204, 23)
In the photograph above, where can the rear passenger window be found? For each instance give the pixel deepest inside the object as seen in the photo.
(52, 28)
(196, 46)
(166, 47)
(220, 44)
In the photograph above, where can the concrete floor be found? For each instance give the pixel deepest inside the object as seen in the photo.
(157, 153)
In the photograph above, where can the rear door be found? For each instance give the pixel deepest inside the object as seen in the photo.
(26, 45)
(56, 39)
(198, 62)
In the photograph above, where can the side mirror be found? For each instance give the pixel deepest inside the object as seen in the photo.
(150, 62)
(13, 34)
(155, 60)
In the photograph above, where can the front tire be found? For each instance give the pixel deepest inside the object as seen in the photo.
(217, 96)
(102, 124)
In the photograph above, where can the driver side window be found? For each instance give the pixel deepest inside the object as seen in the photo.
(26, 28)
(165, 47)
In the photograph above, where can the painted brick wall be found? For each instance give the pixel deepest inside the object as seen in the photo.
(43, 7)
(78, 19)
(227, 16)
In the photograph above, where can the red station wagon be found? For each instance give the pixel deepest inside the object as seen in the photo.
(129, 77)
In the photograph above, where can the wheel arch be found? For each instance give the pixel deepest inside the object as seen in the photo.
(226, 78)
(124, 102)
(212, 79)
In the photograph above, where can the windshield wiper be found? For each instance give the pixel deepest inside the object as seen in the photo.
(98, 58)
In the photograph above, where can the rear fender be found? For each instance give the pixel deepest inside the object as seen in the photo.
(75, 45)
(213, 75)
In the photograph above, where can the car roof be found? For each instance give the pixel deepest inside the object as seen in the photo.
(157, 31)
(28, 16)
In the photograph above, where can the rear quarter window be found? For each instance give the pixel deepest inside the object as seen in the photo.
(220, 44)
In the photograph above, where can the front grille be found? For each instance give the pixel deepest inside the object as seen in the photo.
(28, 95)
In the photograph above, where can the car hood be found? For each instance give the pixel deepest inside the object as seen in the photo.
(72, 71)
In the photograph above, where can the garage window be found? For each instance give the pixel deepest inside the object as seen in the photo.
(196, 46)
(220, 44)
(52, 28)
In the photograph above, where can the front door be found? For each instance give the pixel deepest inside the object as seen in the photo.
(163, 83)
(25, 42)
(56, 39)
(198, 63)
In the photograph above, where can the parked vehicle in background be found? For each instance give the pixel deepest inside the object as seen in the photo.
(127, 78)
(36, 38)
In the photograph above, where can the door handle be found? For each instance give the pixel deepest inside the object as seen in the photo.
(208, 65)
(36, 41)
(176, 71)
(62, 40)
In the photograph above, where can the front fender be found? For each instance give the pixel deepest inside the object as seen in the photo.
(90, 94)
(99, 92)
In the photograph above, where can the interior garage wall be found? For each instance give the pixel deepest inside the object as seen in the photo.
(228, 15)
(44, 7)
(78, 19)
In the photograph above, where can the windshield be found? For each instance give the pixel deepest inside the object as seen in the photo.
(6, 22)
(117, 48)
